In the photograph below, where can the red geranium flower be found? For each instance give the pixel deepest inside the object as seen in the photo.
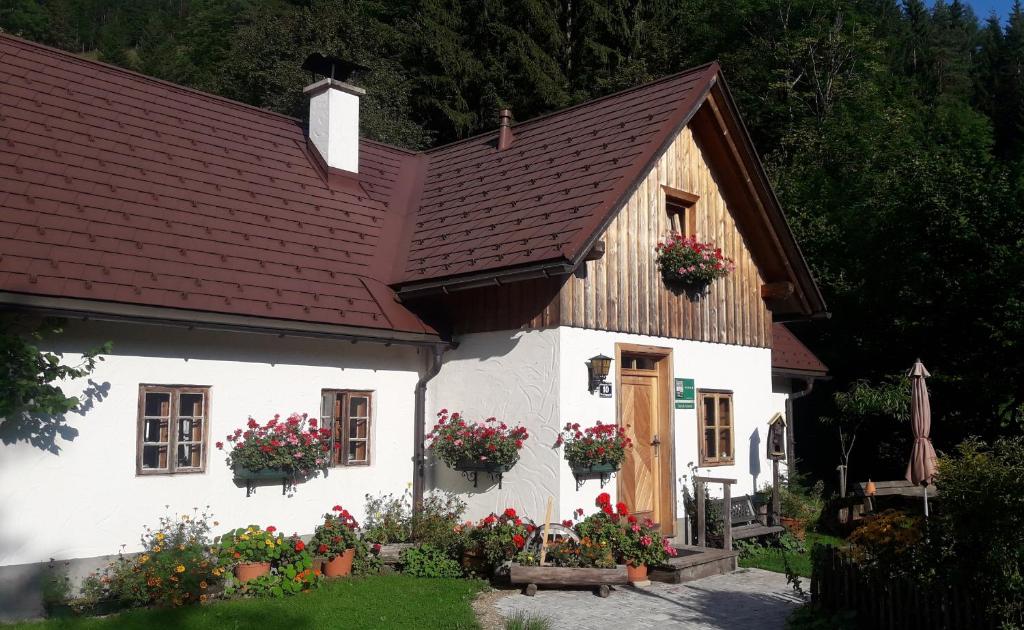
(621, 508)
(271, 529)
(299, 545)
(603, 499)
(322, 548)
(337, 508)
(607, 509)
(519, 541)
(631, 519)
(509, 512)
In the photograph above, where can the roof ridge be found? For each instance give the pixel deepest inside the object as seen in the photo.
(670, 77)
(138, 75)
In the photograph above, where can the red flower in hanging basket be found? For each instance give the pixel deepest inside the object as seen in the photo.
(686, 260)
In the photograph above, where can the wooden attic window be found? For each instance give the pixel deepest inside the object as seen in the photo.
(681, 207)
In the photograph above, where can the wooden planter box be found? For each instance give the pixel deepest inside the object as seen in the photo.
(533, 577)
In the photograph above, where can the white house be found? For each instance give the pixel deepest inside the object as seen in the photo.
(243, 265)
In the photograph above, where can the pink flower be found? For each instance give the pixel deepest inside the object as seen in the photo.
(646, 541)
(298, 454)
(635, 528)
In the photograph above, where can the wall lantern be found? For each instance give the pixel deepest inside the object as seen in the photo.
(598, 367)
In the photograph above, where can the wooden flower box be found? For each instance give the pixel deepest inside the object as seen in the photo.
(601, 579)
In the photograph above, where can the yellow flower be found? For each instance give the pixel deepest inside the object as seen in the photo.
(181, 547)
(203, 584)
(160, 536)
(180, 568)
(270, 543)
(244, 537)
(202, 598)
(144, 559)
(156, 549)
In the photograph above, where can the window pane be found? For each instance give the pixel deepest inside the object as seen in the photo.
(357, 428)
(725, 411)
(358, 407)
(189, 455)
(154, 430)
(190, 430)
(190, 405)
(725, 443)
(327, 405)
(154, 457)
(710, 449)
(709, 411)
(158, 404)
(357, 451)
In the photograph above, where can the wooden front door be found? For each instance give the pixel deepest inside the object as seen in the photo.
(645, 481)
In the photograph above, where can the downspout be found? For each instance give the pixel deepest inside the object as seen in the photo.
(790, 434)
(419, 432)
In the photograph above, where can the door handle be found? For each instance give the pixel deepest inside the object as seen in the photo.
(656, 443)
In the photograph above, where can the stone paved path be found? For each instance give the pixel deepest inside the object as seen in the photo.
(741, 600)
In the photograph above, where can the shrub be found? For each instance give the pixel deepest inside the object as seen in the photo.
(979, 520)
(174, 568)
(295, 444)
(388, 518)
(521, 620)
(592, 446)
(886, 541)
(454, 440)
(437, 523)
(803, 504)
(427, 561)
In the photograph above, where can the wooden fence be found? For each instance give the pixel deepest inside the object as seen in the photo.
(838, 584)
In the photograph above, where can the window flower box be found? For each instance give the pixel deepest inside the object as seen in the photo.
(291, 449)
(486, 446)
(595, 452)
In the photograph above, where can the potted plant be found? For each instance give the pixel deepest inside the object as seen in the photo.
(487, 445)
(278, 448)
(641, 546)
(251, 550)
(336, 539)
(688, 262)
(599, 449)
(495, 539)
(799, 510)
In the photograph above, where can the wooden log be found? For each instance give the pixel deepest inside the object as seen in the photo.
(566, 576)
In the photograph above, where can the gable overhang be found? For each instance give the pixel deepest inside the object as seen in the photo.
(720, 133)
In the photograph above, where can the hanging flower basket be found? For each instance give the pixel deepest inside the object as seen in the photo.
(686, 262)
(595, 452)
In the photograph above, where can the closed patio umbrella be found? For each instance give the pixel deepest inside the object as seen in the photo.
(921, 469)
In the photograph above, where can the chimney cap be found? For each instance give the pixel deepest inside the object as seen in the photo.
(331, 67)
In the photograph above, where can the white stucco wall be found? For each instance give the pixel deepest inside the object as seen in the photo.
(746, 371)
(513, 376)
(87, 500)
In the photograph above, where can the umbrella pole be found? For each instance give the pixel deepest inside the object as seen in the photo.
(926, 501)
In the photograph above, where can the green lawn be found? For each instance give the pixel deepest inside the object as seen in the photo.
(387, 601)
(771, 559)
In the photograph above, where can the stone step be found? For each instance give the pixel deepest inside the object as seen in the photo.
(694, 563)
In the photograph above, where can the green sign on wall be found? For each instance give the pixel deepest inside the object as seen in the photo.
(686, 394)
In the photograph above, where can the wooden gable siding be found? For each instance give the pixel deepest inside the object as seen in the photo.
(623, 291)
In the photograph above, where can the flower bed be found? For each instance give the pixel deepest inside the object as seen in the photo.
(687, 261)
(484, 445)
(278, 447)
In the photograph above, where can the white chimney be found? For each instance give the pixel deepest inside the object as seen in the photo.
(334, 122)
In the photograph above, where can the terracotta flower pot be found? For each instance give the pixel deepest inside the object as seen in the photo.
(246, 571)
(636, 574)
(340, 566)
(796, 526)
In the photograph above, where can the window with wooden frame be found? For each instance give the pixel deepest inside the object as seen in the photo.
(347, 413)
(716, 428)
(173, 429)
(681, 207)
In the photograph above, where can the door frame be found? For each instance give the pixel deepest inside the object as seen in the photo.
(663, 358)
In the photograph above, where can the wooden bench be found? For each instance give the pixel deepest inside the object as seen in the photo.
(744, 520)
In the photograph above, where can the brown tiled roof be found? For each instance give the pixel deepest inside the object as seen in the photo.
(543, 198)
(117, 187)
(789, 354)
